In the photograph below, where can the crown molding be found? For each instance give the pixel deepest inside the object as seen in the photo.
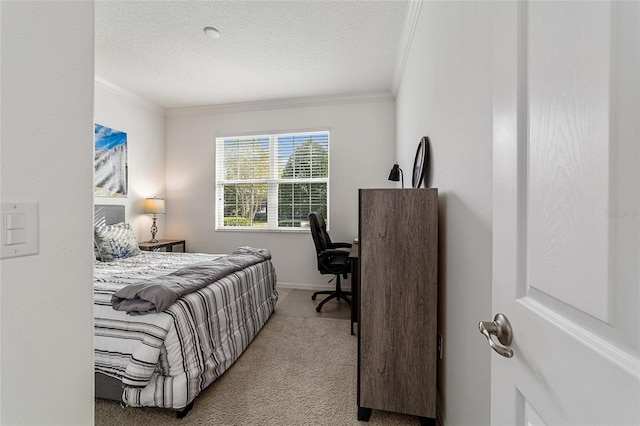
(137, 99)
(304, 102)
(287, 103)
(406, 39)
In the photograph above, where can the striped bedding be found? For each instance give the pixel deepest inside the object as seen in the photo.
(165, 359)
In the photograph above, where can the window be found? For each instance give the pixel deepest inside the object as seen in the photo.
(271, 182)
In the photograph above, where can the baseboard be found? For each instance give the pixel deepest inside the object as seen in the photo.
(299, 286)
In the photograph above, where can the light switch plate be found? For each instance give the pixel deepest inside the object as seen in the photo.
(19, 231)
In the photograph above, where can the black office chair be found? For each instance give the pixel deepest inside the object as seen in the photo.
(331, 260)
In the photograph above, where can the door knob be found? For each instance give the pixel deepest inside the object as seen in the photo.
(501, 328)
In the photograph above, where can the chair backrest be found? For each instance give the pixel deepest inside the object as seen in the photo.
(319, 233)
(329, 261)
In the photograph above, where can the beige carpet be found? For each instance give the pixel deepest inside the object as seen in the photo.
(297, 371)
(298, 303)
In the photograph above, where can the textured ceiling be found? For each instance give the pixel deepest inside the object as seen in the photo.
(268, 50)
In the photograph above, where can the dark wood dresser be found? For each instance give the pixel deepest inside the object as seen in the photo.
(398, 299)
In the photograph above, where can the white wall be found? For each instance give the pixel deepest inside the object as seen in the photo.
(144, 124)
(445, 93)
(361, 155)
(46, 299)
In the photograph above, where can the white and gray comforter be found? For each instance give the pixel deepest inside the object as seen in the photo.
(165, 359)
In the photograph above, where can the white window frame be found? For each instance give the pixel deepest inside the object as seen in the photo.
(272, 183)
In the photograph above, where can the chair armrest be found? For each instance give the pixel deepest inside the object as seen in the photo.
(344, 245)
(333, 252)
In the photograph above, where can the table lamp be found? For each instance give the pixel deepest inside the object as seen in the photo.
(396, 174)
(154, 206)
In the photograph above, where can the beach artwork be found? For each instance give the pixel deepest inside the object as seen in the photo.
(110, 161)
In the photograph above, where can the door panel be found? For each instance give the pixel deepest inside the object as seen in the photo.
(531, 416)
(568, 140)
(567, 212)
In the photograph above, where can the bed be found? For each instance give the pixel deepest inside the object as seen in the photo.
(166, 325)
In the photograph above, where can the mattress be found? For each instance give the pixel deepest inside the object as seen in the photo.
(166, 359)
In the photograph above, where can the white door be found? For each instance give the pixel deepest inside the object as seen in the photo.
(567, 212)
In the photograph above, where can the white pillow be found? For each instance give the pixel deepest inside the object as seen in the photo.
(115, 242)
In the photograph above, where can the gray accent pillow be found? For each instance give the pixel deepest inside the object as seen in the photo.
(115, 242)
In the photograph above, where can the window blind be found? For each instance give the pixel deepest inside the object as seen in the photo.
(271, 181)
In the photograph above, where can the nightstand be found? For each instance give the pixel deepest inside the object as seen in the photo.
(167, 245)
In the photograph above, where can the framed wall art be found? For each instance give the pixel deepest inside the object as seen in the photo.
(110, 162)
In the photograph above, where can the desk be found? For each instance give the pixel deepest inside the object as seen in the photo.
(355, 283)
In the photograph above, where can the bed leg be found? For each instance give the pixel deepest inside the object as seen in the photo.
(182, 413)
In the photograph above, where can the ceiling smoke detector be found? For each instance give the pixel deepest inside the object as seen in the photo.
(211, 32)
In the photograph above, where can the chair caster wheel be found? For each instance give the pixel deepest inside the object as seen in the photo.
(313, 297)
(319, 308)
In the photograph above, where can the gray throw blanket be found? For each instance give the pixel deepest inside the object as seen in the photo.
(157, 294)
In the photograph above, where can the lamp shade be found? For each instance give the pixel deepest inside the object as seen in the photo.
(153, 206)
(394, 175)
